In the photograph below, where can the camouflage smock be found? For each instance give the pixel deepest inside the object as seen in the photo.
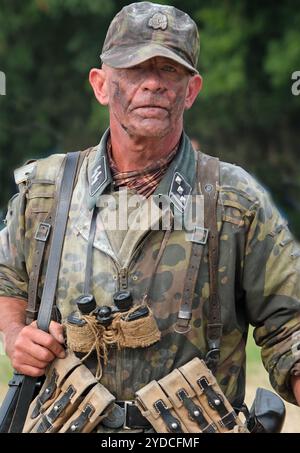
(258, 275)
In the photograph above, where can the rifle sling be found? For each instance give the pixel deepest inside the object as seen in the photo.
(48, 296)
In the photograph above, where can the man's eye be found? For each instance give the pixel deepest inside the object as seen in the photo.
(169, 68)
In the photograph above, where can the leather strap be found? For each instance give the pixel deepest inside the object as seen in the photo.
(62, 212)
(185, 312)
(42, 237)
(209, 174)
(48, 296)
(47, 421)
(173, 424)
(46, 395)
(207, 183)
(216, 402)
(195, 413)
(79, 423)
(89, 255)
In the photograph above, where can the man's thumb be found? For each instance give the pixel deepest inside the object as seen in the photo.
(56, 330)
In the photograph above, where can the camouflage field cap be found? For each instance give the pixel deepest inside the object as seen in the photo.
(144, 30)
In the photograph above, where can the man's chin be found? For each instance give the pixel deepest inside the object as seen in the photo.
(149, 130)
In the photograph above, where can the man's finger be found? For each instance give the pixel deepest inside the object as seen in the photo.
(31, 371)
(47, 341)
(56, 330)
(41, 353)
(23, 358)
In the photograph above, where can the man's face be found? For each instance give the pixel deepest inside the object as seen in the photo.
(148, 100)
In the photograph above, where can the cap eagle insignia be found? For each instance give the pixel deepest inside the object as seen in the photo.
(158, 20)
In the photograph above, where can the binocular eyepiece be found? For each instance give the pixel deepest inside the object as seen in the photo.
(122, 301)
(86, 305)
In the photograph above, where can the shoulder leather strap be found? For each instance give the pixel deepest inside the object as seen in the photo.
(60, 223)
(185, 312)
(208, 179)
(42, 238)
(209, 174)
(48, 296)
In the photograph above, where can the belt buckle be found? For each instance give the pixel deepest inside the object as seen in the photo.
(126, 405)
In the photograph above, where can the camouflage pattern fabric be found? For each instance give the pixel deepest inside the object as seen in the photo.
(258, 275)
(144, 30)
(4, 247)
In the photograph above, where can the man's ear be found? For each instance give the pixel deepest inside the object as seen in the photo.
(98, 81)
(193, 89)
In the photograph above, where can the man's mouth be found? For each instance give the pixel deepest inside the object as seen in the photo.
(151, 110)
(150, 105)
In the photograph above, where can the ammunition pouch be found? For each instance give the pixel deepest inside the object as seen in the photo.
(188, 400)
(71, 400)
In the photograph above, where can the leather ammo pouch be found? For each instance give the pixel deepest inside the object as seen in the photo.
(56, 375)
(90, 411)
(70, 385)
(188, 400)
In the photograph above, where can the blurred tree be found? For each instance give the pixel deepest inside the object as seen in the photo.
(246, 113)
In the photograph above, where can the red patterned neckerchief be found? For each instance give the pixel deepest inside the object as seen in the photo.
(143, 181)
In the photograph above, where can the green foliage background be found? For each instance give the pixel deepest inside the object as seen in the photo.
(246, 113)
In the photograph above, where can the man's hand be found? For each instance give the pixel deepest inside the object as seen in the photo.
(31, 350)
(295, 381)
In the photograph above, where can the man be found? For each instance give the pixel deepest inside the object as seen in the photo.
(148, 79)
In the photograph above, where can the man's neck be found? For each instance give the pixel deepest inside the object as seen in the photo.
(136, 153)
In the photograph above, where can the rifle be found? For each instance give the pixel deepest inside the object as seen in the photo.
(9, 403)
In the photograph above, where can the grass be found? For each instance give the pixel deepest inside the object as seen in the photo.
(5, 374)
(253, 352)
(5, 369)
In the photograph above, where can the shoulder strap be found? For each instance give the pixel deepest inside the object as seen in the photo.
(209, 177)
(185, 312)
(42, 239)
(45, 311)
(60, 223)
(207, 182)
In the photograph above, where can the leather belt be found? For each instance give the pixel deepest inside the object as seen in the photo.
(126, 415)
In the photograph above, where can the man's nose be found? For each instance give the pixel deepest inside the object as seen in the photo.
(152, 81)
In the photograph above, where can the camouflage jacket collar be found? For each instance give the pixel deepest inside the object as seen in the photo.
(179, 180)
(99, 174)
(177, 183)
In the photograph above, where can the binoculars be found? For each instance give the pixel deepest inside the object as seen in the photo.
(123, 302)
